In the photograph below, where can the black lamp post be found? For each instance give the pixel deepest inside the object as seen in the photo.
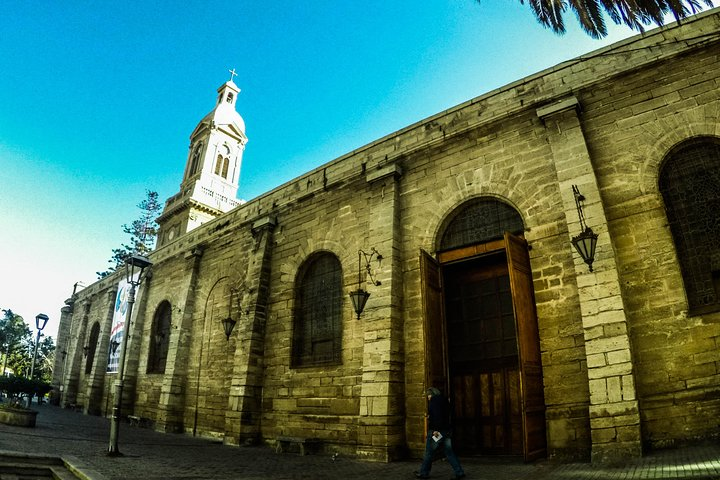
(134, 268)
(40, 321)
(360, 297)
(586, 241)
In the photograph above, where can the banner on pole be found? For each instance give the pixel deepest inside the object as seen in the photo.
(117, 332)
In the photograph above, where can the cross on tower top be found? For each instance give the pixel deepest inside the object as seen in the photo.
(233, 73)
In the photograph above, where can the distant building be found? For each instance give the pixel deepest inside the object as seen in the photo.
(480, 293)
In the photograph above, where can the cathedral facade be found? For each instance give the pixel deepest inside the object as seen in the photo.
(457, 236)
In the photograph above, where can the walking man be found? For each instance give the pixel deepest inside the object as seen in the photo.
(439, 434)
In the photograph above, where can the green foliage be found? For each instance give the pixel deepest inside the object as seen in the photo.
(590, 13)
(143, 233)
(18, 346)
(14, 337)
(14, 386)
(45, 359)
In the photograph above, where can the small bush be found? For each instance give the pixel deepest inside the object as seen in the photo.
(14, 386)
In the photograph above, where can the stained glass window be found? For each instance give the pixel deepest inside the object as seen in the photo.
(92, 347)
(317, 332)
(690, 186)
(480, 220)
(160, 338)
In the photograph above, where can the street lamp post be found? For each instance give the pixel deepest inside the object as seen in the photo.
(134, 267)
(40, 321)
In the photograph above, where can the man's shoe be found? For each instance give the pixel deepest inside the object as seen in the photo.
(420, 475)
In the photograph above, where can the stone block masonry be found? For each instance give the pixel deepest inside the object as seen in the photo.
(625, 364)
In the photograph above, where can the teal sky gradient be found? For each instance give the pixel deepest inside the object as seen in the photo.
(98, 99)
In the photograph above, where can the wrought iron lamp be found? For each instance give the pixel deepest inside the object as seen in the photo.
(360, 297)
(586, 241)
(229, 323)
(135, 265)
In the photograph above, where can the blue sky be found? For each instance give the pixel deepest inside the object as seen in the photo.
(98, 99)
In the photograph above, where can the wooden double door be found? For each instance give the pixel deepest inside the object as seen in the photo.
(482, 347)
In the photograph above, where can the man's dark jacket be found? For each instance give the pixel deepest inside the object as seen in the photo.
(439, 415)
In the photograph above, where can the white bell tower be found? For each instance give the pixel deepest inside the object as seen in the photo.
(212, 172)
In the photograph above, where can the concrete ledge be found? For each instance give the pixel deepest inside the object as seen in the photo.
(556, 107)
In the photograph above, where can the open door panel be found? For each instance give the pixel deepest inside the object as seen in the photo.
(531, 379)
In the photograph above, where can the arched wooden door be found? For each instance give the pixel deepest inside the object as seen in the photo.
(481, 344)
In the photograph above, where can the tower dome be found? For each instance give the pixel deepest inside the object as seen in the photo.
(224, 114)
(212, 170)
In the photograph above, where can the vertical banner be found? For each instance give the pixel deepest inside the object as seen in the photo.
(117, 332)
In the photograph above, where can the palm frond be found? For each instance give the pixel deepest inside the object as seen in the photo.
(636, 14)
(590, 15)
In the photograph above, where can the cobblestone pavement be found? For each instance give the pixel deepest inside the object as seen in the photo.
(149, 455)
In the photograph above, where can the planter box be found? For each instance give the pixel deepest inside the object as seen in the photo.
(18, 417)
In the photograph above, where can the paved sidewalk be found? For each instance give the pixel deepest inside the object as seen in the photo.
(149, 455)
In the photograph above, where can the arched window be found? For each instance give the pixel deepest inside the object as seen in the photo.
(317, 329)
(92, 347)
(195, 162)
(159, 338)
(222, 164)
(480, 220)
(689, 182)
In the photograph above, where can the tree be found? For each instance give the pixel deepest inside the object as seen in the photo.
(635, 14)
(45, 359)
(21, 356)
(14, 335)
(143, 233)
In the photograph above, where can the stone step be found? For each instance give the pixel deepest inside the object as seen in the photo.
(10, 471)
(29, 459)
(27, 466)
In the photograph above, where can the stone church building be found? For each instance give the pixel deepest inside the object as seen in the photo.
(460, 229)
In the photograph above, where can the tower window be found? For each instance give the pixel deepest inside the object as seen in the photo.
(222, 164)
(195, 161)
(229, 97)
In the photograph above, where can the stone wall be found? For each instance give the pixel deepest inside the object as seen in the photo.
(633, 124)
(623, 364)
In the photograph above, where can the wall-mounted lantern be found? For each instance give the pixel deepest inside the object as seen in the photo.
(586, 241)
(228, 323)
(360, 297)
